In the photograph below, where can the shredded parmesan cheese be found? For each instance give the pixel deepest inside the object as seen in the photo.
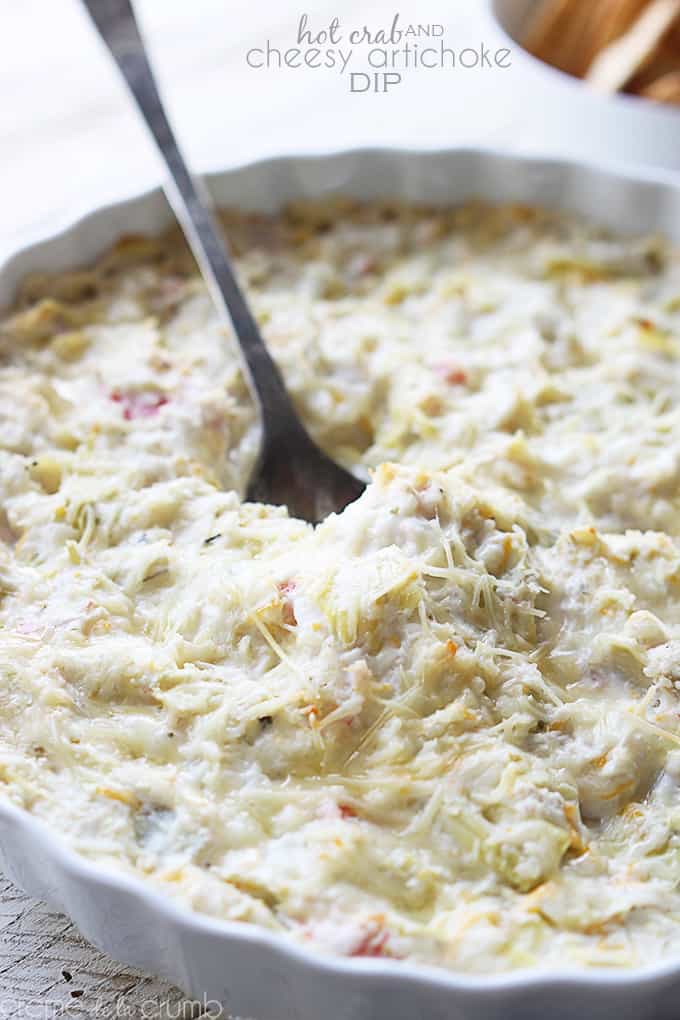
(442, 725)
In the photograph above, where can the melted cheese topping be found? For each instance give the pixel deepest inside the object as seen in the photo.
(443, 725)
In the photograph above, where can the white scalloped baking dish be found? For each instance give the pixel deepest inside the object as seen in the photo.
(250, 972)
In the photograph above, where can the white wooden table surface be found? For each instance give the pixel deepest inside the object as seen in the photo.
(47, 971)
(69, 141)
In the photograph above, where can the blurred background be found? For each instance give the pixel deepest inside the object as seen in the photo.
(69, 138)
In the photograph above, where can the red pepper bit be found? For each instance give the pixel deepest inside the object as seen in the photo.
(346, 811)
(374, 943)
(364, 264)
(139, 405)
(286, 588)
(452, 374)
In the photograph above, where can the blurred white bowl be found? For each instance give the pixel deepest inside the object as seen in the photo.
(572, 119)
(249, 971)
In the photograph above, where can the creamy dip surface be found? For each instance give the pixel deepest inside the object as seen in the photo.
(444, 724)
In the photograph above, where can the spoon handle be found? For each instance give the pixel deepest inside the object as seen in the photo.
(117, 25)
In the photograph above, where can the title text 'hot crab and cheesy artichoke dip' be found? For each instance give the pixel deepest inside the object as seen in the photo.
(443, 725)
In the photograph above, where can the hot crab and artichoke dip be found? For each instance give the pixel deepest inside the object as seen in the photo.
(443, 725)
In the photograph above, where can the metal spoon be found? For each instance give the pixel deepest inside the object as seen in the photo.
(291, 470)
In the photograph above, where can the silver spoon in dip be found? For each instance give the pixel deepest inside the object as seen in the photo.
(291, 470)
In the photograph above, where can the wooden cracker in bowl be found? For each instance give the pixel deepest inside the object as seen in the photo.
(615, 45)
(570, 33)
(665, 89)
(658, 76)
